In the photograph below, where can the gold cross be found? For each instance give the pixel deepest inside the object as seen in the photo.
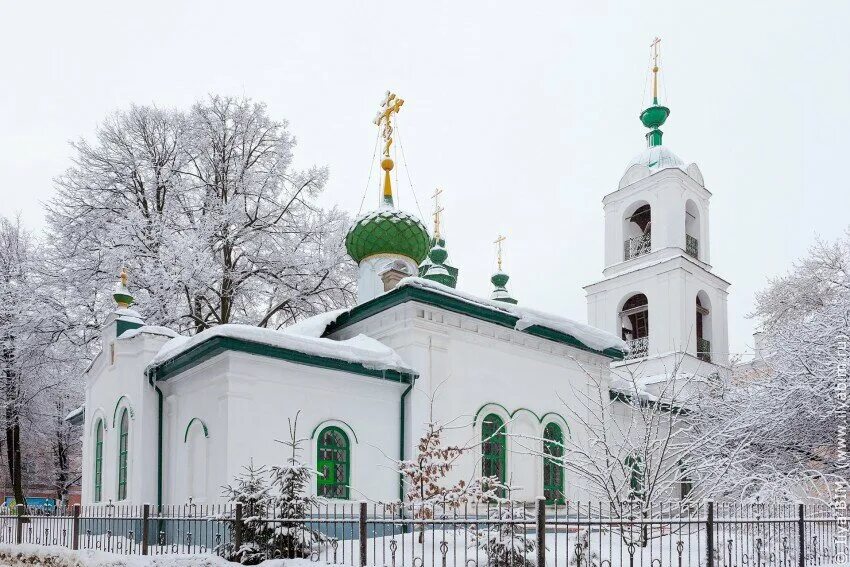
(498, 243)
(390, 105)
(654, 46)
(437, 210)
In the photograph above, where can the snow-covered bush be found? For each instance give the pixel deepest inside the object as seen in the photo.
(505, 542)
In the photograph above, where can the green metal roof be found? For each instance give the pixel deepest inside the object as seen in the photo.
(388, 231)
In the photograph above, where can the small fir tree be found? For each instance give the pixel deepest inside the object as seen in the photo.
(251, 489)
(294, 536)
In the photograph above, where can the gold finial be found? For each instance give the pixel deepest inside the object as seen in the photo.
(437, 210)
(498, 243)
(123, 276)
(655, 47)
(390, 105)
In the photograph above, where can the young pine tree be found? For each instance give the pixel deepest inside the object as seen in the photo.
(251, 489)
(294, 536)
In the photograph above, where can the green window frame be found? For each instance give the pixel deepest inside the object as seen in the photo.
(333, 461)
(123, 451)
(553, 470)
(98, 461)
(493, 447)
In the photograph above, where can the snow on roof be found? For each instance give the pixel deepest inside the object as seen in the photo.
(657, 158)
(594, 338)
(150, 330)
(72, 416)
(301, 337)
(131, 315)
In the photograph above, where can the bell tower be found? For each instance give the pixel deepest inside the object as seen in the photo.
(658, 291)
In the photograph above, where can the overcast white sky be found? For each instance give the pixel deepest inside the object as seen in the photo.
(525, 113)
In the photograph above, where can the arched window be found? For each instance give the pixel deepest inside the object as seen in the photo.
(703, 327)
(637, 231)
(123, 435)
(333, 463)
(493, 447)
(634, 324)
(98, 461)
(553, 471)
(692, 229)
(637, 477)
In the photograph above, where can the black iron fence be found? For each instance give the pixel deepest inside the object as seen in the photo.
(493, 535)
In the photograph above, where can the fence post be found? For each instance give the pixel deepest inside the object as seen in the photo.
(146, 514)
(541, 532)
(237, 529)
(801, 535)
(19, 526)
(75, 528)
(362, 533)
(709, 535)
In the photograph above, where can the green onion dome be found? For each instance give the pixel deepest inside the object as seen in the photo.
(388, 231)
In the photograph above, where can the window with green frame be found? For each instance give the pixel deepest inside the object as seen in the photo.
(553, 470)
(333, 463)
(493, 447)
(123, 437)
(98, 461)
(637, 480)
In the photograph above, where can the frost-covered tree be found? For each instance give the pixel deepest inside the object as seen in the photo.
(294, 536)
(207, 212)
(425, 476)
(633, 441)
(794, 402)
(33, 363)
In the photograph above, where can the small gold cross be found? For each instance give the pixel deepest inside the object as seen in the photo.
(498, 243)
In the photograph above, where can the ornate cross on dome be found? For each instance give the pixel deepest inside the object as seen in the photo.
(655, 47)
(498, 243)
(391, 105)
(437, 210)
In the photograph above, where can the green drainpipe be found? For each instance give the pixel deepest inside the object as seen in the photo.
(401, 437)
(158, 442)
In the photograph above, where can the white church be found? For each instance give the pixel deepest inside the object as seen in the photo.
(168, 418)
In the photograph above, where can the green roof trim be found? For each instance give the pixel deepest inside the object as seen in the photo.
(206, 350)
(404, 294)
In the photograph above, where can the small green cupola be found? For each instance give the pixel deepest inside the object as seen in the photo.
(123, 317)
(121, 294)
(500, 278)
(654, 116)
(435, 267)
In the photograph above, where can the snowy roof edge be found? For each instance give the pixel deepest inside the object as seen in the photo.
(588, 337)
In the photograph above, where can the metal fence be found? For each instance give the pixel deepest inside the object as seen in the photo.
(494, 535)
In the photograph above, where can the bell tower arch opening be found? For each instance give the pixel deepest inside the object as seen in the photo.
(703, 326)
(634, 325)
(692, 229)
(637, 230)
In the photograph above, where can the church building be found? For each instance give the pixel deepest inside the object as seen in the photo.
(169, 418)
